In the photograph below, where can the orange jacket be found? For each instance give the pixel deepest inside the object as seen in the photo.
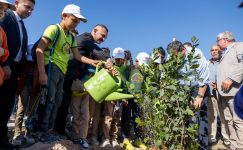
(4, 57)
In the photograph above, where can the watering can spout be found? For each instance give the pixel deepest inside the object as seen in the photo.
(118, 96)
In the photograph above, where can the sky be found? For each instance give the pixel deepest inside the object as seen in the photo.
(142, 25)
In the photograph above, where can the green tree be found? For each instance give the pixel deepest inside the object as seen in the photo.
(166, 103)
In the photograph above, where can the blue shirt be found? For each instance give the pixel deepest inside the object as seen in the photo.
(202, 77)
(213, 73)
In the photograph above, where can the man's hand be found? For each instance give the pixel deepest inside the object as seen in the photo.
(7, 72)
(43, 79)
(226, 85)
(213, 84)
(197, 102)
(114, 72)
(124, 102)
(111, 68)
(95, 62)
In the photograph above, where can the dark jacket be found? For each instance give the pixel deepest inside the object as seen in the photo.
(87, 47)
(10, 25)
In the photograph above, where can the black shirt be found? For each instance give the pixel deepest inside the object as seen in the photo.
(87, 47)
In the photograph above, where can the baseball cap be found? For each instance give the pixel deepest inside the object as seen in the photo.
(143, 58)
(118, 53)
(74, 10)
(238, 103)
(10, 5)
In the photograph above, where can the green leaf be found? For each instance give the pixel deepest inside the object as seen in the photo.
(158, 142)
(138, 121)
(193, 39)
(189, 112)
(171, 87)
(162, 92)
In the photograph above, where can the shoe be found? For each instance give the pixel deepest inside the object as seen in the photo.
(226, 143)
(212, 143)
(29, 139)
(114, 143)
(141, 145)
(82, 142)
(18, 140)
(47, 137)
(127, 145)
(5, 144)
(62, 136)
(106, 143)
(94, 141)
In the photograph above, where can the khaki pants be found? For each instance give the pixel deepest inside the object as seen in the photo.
(214, 110)
(235, 124)
(94, 109)
(110, 128)
(79, 108)
(24, 101)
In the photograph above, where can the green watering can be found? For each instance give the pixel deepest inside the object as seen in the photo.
(103, 86)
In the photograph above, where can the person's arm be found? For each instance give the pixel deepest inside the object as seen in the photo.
(199, 98)
(86, 46)
(99, 54)
(203, 79)
(4, 55)
(128, 58)
(6, 67)
(83, 59)
(44, 42)
(4, 46)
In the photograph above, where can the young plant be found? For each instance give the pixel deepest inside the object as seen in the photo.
(165, 103)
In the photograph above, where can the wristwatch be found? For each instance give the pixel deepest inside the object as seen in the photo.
(199, 95)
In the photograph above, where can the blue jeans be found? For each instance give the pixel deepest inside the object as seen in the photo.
(54, 97)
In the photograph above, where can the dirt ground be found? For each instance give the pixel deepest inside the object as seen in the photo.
(61, 145)
(68, 145)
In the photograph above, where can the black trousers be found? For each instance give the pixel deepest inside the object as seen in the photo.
(60, 123)
(7, 97)
(129, 114)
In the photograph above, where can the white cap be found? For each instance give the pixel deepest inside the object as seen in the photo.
(75, 10)
(143, 58)
(118, 53)
(11, 6)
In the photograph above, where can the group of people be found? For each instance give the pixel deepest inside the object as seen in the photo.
(65, 61)
(226, 68)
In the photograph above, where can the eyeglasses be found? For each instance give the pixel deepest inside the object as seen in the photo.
(215, 49)
(220, 39)
(104, 36)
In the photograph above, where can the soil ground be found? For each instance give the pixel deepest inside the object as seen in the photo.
(69, 145)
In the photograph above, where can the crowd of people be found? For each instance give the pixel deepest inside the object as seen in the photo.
(65, 60)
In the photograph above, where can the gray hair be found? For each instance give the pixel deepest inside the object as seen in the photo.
(226, 35)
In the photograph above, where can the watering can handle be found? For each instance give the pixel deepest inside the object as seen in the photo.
(119, 81)
(118, 77)
(98, 66)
